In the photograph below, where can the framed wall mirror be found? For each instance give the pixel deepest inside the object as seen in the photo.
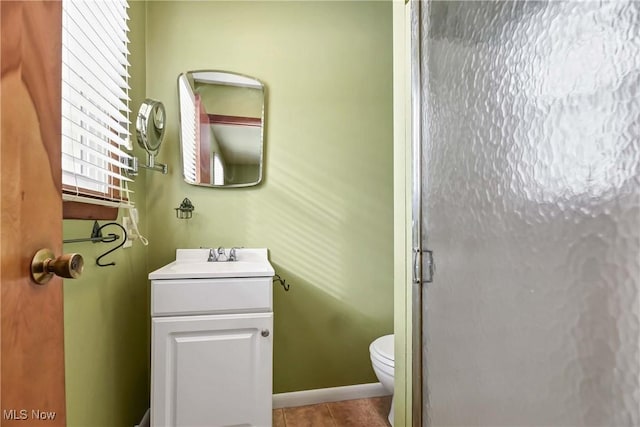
(221, 128)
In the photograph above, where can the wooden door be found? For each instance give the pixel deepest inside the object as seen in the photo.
(31, 334)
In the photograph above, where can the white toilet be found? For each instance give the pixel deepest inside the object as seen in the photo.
(381, 351)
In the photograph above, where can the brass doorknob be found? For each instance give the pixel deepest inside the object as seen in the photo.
(44, 265)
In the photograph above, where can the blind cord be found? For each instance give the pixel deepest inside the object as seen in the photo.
(133, 214)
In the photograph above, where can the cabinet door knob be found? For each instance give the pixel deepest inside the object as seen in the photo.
(265, 333)
(44, 265)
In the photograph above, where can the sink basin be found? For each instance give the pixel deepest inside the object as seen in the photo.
(193, 264)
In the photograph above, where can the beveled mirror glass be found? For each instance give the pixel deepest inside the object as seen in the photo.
(221, 128)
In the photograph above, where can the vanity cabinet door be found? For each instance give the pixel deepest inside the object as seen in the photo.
(212, 370)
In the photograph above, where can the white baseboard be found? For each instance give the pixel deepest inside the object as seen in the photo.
(323, 395)
(144, 422)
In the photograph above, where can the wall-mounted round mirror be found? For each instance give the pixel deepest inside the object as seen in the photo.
(221, 128)
(150, 125)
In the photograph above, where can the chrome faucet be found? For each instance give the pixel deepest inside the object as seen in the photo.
(219, 255)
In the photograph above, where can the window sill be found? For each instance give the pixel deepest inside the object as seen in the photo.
(77, 210)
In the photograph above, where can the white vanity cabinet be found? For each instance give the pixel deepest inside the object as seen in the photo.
(211, 350)
(212, 370)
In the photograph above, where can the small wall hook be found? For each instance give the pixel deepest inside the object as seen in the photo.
(98, 231)
(283, 282)
(185, 210)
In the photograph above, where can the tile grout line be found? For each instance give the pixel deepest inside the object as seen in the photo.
(335, 423)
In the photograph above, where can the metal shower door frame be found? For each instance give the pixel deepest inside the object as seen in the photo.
(416, 217)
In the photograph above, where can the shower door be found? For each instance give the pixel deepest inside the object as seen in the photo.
(530, 140)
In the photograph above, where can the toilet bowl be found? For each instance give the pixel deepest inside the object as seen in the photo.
(382, 359)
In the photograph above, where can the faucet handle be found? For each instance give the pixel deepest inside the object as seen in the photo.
(232, 254)
(221, 253)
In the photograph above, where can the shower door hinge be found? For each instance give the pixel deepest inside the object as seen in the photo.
(423, 263)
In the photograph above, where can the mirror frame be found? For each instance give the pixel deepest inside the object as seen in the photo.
(262, 129)
(146, 124)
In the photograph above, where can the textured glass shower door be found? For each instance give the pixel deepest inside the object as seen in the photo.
(530, 117)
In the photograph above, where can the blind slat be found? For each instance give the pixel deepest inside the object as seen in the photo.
(77, 131)
(86, 51)
(116, 161)
(104, 46)
(115, 22)
(98, 76)
(91, 123)
(114, 106)
(82, 75)
(101, 26)
(73, 111)
(73, 164)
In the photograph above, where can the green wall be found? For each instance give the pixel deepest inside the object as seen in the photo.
(325, 208)
(106, 312)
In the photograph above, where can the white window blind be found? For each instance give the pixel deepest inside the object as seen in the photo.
(95, 102)
(189, 128)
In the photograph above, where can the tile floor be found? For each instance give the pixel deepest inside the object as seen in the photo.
(347, 413)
